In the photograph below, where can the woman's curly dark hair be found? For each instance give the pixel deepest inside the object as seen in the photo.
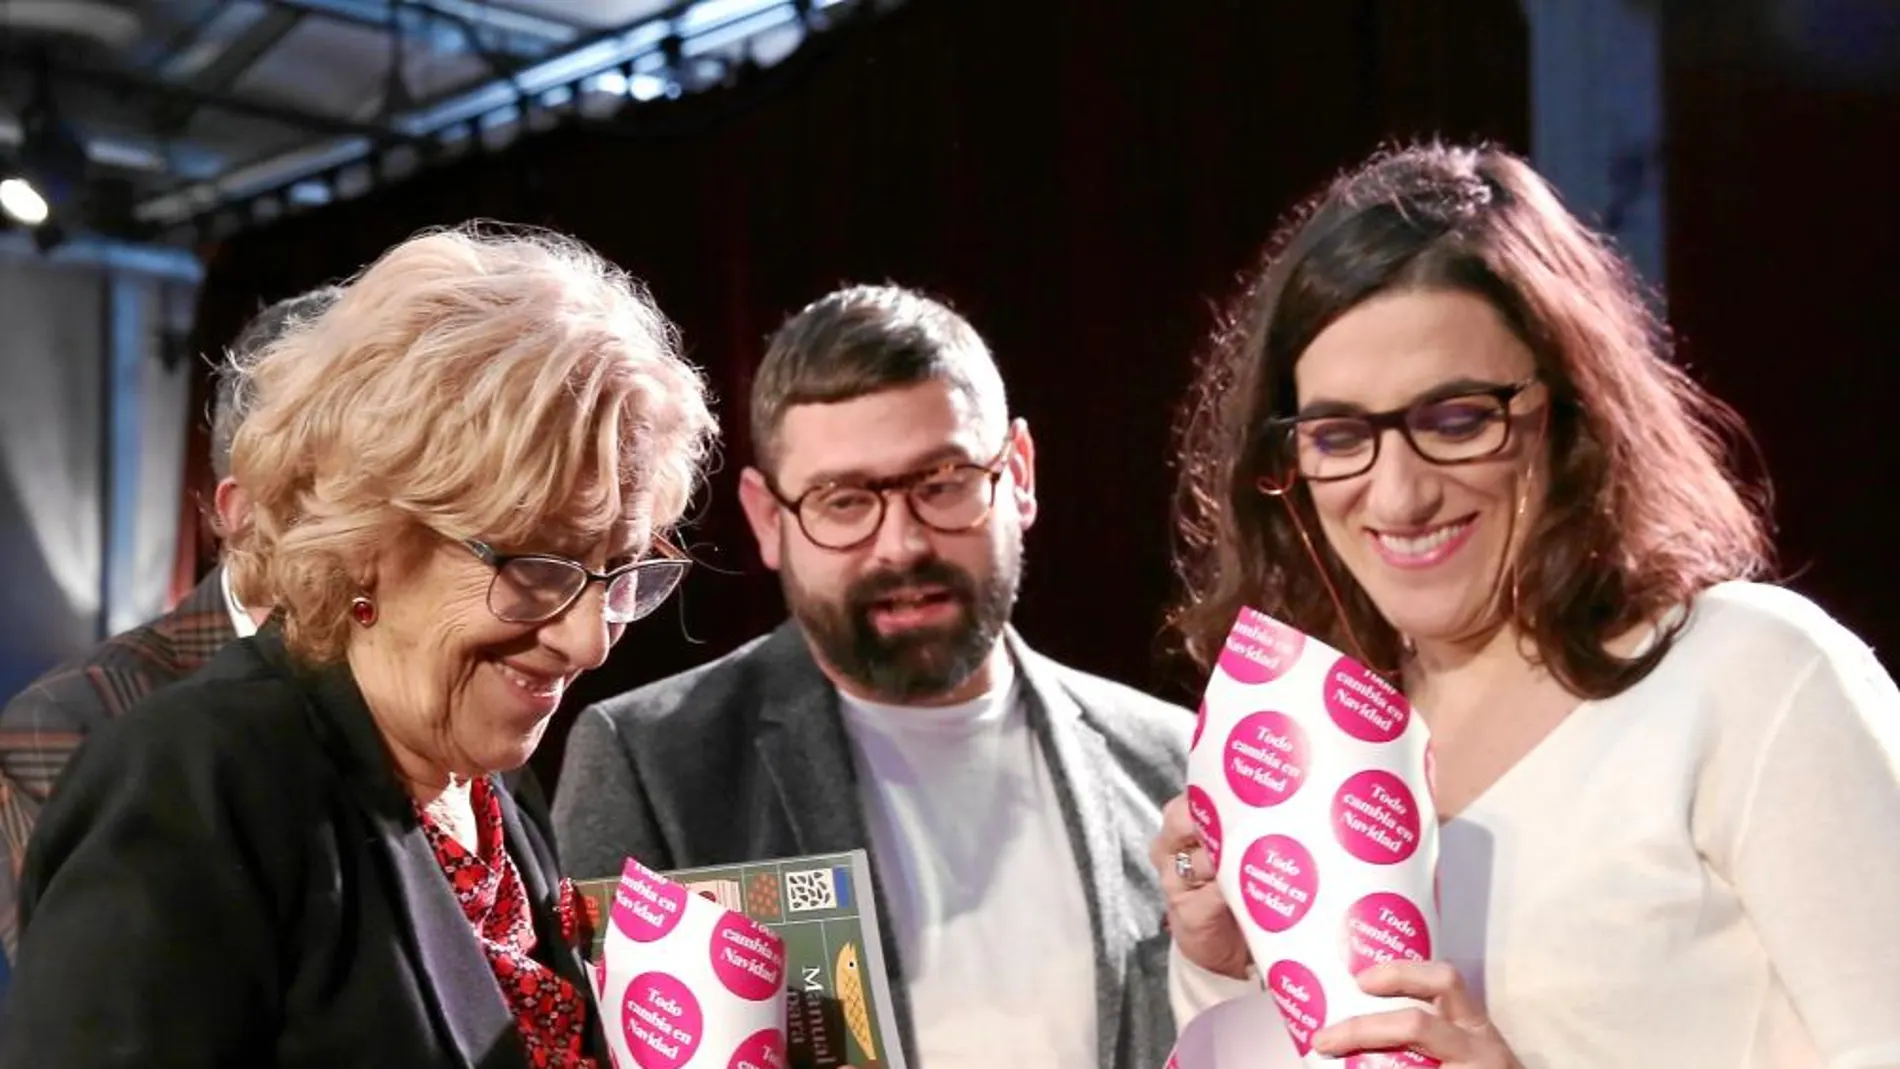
(1641, 511)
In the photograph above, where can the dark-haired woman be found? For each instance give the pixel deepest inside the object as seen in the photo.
(1442, 433)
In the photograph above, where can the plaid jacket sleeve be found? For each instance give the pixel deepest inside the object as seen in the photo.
(39, 731)
(45, 723)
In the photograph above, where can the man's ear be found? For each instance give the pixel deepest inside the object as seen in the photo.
(1022, 472)
(232, 505)
(762, 514)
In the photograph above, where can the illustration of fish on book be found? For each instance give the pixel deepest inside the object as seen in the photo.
(848, 982)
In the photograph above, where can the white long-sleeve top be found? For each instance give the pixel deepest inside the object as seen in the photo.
(1702, 871)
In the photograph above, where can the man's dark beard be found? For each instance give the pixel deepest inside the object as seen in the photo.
(919, 664)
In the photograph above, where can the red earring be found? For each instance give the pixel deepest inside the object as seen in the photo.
(363, 610)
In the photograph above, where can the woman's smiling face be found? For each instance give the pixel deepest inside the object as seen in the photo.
(1427, 541)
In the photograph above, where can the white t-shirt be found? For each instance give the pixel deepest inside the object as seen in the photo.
(982, 885)
(1702, 871)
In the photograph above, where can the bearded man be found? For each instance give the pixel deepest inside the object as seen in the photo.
(1006, 801)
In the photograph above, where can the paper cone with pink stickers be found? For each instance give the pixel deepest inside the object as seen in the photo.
(1309, 780)
(685, 983)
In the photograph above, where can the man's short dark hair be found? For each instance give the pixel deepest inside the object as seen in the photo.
(231, 400)
(862, 340)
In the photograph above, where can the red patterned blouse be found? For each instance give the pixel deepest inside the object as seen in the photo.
(549, 1013)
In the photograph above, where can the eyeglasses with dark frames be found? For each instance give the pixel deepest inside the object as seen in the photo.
(1458, 428)
(951, 498)
(533, 588)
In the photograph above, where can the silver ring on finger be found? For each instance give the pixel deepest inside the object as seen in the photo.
(1184, 868)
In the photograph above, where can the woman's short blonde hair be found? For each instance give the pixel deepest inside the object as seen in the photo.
(508, 385)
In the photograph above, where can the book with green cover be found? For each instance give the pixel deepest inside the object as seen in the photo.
(837, 998)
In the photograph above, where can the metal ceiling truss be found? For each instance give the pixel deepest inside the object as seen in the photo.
(221, 73)
(170, 96)
(262, 190)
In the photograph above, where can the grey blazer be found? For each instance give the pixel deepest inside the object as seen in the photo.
(747, 758)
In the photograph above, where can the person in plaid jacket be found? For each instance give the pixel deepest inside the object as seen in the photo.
(43, 724)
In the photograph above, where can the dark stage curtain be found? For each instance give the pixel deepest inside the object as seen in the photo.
(1784, 233)
(1083, 178)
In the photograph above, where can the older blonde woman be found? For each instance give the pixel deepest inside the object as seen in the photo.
(302, 855)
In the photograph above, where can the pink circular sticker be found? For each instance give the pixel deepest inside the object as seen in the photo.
(764, 1049)
(1260, 649)
(1383, 927)
(749, 960)
(1266, 758)
(662, 1021)
(1391, 1059)
(1207, 820)
(1376, 818)
(1200, 725)
(1302, 1001)
(1364, 705)
(1278, 882)
(647, 907)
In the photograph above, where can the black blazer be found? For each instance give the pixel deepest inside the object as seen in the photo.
(233, 876)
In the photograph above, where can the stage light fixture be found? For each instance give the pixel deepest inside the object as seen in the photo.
(22, 203)
(49, 175)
